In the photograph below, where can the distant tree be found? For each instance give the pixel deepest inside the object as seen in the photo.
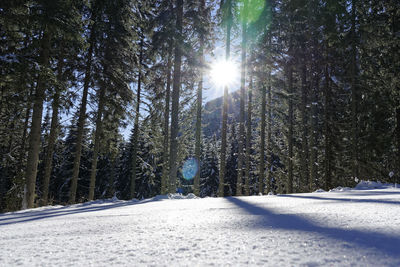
(209, 169)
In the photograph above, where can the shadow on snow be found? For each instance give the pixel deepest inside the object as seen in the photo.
(378, 201)
(34, 215)
(271, 220)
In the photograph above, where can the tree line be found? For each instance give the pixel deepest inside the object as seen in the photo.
(318, 104)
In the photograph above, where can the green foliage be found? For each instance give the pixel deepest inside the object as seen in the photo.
(344, 93)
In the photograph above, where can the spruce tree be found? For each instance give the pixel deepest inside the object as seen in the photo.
(226, 7)
(173, 163)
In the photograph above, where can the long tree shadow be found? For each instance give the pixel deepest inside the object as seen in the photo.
(379, 241)
(365, 193)
(34, 215)
(39, 215)
(380, 201)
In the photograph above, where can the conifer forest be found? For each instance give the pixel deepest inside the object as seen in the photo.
(138, 98)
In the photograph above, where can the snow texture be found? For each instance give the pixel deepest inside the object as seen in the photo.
(352, 227)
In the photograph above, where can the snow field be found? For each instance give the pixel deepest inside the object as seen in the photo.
(338, 228)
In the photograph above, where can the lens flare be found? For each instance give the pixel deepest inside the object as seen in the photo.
(190, 168)
(224, 72)
(250, 10)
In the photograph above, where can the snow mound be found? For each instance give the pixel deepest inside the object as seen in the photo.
(114, 199)
(340, 189)
(319, 190)
(174, 196)
(180, 196)
(363, 185)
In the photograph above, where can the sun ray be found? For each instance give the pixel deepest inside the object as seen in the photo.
(224, 73)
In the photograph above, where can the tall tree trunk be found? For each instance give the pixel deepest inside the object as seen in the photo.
(199, 106)
(48, 161)
(164, 178)
(262, 142)
(290, 134)
(97, 136)
(239, 186)
(313, 137)
(248, 139)
(11, 128)
(25, 131)
(34, 137)
(397, 177)
(269, 134)
(82, 119)
(222, 167)
(304, 133)
(327, 119)
(396, 88)
(354, 94)
(136, 125)
(175, 100)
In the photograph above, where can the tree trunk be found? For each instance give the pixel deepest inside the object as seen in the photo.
(328, 179)
(313, 137)
(262, 142)
(354, 95)
(304, 134)
(25, 131)
(196, 189)
(248, 140)
(53, 133)
(34, 137)
(290, 135)
(96, 146)
(164, 178)
(136, 125)
(396, 88)
(175, 100)
(222, 166)
(269, 133)
(82, 119)
(397, 170)
(241, 115)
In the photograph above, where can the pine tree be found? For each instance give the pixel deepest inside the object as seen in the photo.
(53, 131)
(199, 100)
(164, 179)
(226, 7)
(95, 9)
(248, 138)
(261, 165)
(232, 162)
(136, 124)
(242, 99)
(34, 136)
(209, 169)
(175, 100)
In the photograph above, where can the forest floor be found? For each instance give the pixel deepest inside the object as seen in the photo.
(344, 227)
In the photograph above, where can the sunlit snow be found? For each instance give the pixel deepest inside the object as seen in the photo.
(344, 227)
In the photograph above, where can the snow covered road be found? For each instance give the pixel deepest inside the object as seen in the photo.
(349, 228)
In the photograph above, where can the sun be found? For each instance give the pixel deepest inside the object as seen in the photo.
(224, 73)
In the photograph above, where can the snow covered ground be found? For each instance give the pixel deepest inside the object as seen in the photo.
(343, 227)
